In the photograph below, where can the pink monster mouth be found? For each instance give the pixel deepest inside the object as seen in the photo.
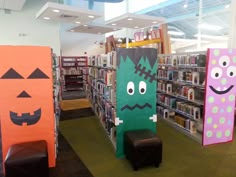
(221, 92)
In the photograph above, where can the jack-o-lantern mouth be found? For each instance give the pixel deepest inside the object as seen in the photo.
(25, 118)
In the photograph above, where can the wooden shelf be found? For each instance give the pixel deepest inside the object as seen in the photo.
(140, 43)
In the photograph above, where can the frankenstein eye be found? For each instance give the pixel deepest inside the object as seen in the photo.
(38, 74)
(11, 74)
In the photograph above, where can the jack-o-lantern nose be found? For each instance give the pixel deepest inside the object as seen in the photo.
(23, 94)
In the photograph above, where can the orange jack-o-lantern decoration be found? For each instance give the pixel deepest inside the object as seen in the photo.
(26, 97)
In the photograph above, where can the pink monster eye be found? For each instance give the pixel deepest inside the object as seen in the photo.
(231, 71)
(224, 61)
(216, 73)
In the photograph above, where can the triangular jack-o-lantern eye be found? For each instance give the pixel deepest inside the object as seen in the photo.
(23, 94)
(11, 74)
(38, 74)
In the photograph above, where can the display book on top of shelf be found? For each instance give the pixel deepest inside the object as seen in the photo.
(180, 91)
(56, 96)
(72, 72)
(101, 90)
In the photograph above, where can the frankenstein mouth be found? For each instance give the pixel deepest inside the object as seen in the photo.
(135, 106)
(221, 92)
(25, 118)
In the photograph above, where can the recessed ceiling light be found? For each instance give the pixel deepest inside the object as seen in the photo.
(90, 16)
(113, 24)
(136, 27)
(185, 6)
(56, 10)
(114, 29)
(227, 6)
(77, 22)
(154, 22)
(85, 25)
(129, 19)
(72, 30)
(46, 18)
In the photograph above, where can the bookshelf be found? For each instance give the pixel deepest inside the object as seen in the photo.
(122, 90)
(72, 72)
(181, 91)
(196, 94)
(56, 96)
(101, 90)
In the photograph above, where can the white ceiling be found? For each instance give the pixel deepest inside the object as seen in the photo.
(92, 29)
(67, 14)
(12, 4)
(135, 21)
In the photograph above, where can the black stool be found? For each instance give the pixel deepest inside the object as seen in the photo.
(28, 159)
(142, 147)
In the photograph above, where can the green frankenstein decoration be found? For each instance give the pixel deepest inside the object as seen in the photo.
(136, 92)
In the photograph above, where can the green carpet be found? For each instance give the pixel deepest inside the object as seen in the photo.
(181, 155)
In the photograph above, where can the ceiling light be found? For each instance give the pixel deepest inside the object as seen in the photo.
(72, 30)
(113, 24)
(133, 40)
(129, 19)
(56, 10)
(85, 25)
(209, 27)
(136, 27)
(227, 6)
(154, 22)
(90, 16)
(185, 6)
(114, 29)
(77, 22)
(119, 40)
(176, 33)
(212, 37)
(46, 18)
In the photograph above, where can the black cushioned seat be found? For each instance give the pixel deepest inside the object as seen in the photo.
(142, 147)
(28, 159)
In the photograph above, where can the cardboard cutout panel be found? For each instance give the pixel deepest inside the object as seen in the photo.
(135, 92)
(26, 97)
(220, 96)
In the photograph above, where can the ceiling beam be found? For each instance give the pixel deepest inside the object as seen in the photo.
(206, 12)
(158, 6)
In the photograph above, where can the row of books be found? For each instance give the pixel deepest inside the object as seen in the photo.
(180, 76)
(183, 60)
(192, 110)
(71, 71)
(105, 112)
(166, 100)
(107, 92)
(103, 60)
(186, 123)
(104, 75)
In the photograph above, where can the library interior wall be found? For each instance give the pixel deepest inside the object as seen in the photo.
(76, 44)
(22, 28)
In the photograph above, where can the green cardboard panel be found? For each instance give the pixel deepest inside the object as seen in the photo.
(135, 92)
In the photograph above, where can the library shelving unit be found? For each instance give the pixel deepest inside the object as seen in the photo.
(56, 96)
(180, 91)
(196, 93)
(101, 90)
(122, 90)
(72, 72)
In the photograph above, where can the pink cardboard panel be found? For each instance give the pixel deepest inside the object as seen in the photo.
(219, 96)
